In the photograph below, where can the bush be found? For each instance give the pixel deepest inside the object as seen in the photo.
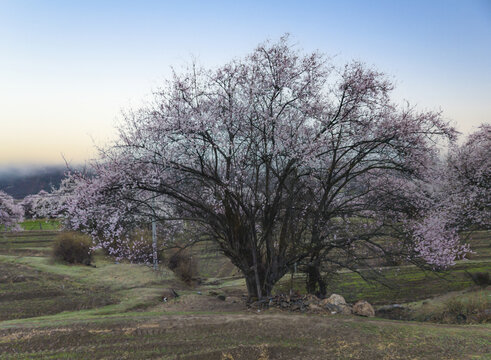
(73, 248)
(184, 265)
(470, 308)
(480, 278)
(474, 309)
(392, 260)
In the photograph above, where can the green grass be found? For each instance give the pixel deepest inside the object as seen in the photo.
(149, 336)
(114, 311)
(27, 292)
(27, 243)
(40, 224)
(399, 285)
(32, 284)
(480, 242)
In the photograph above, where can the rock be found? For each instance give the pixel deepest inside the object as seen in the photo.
(363, 308)
(334, 299)
(314, 307)
(345, 310)
(259, 304)
(311, 299)
(338, 309)
(254, 305)
(389, 308)
(334, 309)
(295, 307)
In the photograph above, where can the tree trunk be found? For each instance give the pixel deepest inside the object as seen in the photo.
(260, 270)
(253, 287)
(314, 278)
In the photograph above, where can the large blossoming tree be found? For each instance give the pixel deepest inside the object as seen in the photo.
(279, 158)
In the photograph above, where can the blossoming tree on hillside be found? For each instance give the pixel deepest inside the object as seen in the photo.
(467, 190)
(279, 158)
(10, 212)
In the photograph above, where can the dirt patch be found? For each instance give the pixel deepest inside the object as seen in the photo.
(190, 302)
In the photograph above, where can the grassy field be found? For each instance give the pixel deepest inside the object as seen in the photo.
(49, 310)
(40, 224)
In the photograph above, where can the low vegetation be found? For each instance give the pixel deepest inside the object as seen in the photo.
(73, 248)
(27, 291)
(471, 306)
(40, 224)
(184, 265)
(116, 311)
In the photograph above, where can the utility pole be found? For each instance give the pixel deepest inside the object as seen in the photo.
(154, 246)
(154, 240)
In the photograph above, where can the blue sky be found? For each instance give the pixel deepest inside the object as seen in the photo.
(67, 68)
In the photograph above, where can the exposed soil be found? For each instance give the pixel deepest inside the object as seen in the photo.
(195, 302)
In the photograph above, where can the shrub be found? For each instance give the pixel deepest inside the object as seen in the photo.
(480, 278)
(471, 308)
(184, 265)
(392, 260)
(474, 309)
(73, 248)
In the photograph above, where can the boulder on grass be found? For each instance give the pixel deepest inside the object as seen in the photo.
(363, 308)
(334, 299)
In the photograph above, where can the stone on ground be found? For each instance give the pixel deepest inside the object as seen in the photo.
(363, 308)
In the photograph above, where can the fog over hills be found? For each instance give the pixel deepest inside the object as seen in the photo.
(20, 181)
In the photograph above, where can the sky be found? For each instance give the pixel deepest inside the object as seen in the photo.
(68, 68)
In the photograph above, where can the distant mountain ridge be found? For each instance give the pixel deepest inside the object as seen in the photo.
(22, 182)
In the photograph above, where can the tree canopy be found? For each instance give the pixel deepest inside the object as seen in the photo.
(10, 212)
(279, 158)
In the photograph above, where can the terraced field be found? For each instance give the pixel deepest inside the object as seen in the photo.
(50, 310)
(241, 336)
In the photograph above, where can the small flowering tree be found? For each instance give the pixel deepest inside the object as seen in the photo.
(113, 213)
(39, 205)
(10, 212)
(458, 198)
(279, 158)
(466, 191)
(49, 205)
